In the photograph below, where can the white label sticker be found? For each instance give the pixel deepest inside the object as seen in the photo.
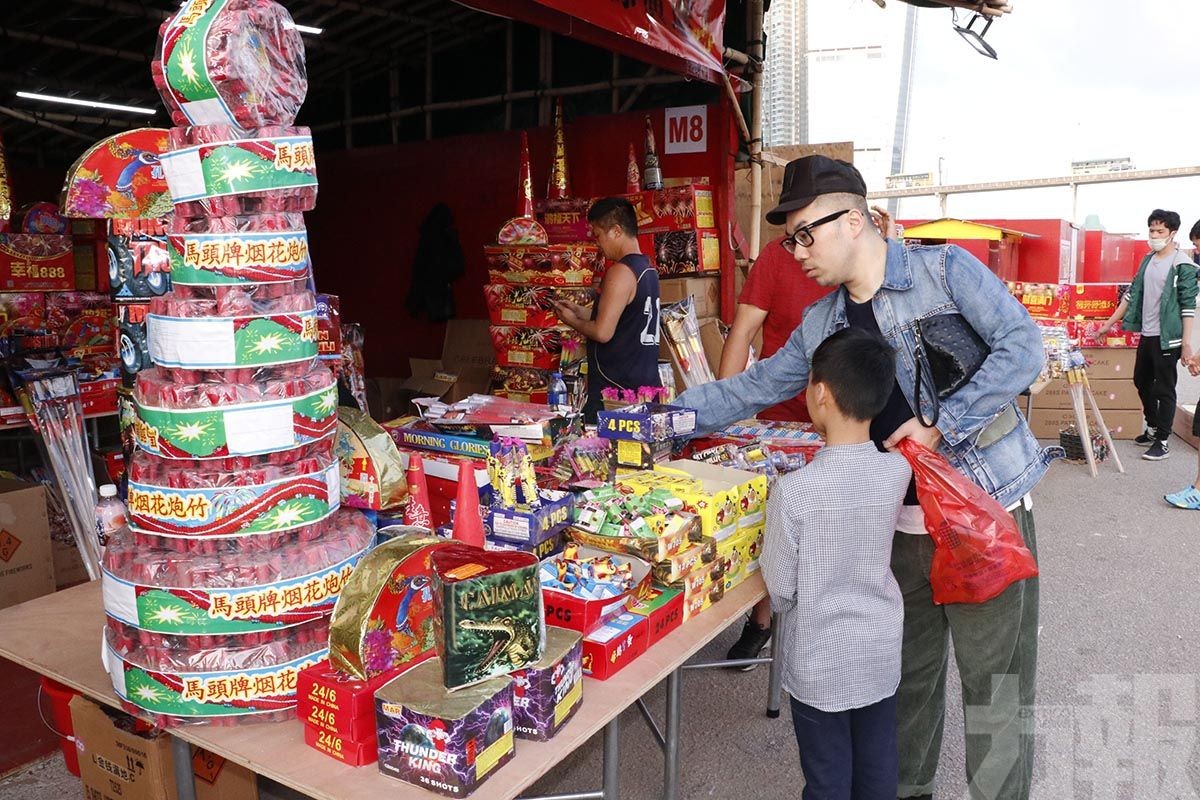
(184, 177)
(256, 430)
(515, 528)
(208, 112)
(193, 343)
(687, 129)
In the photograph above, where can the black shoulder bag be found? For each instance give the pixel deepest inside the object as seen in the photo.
(948, 354)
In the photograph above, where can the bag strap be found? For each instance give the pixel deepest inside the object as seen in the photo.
(924, 373)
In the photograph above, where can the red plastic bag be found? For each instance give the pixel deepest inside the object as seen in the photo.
(978, 550)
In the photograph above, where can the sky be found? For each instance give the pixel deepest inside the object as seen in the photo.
(1075, 79)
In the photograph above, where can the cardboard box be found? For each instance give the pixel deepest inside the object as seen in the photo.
(68, 565)
(739, 555)
(663, 609)
(1184, 416)
(531, 528)
(462, 370)
(332, 701)
(686, 252)
(705, 291)
(751, 488)
(675, 208)
(646, 422)
(1109, 362)
(26, 560)
(116, 763)
(575, 264)
(1122, 424)
(614, 645)
(25, 310)
(1110, 394)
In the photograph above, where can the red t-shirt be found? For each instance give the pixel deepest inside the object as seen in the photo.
(778, 285)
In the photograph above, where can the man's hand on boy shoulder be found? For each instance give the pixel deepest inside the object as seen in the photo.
(913, 429)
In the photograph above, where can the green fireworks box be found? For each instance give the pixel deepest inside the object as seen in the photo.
(488, 617)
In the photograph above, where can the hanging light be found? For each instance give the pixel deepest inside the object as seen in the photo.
(310, 30)
(974, 37)
(75, 101)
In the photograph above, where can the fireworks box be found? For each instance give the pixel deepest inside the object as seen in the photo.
(26, 566)
(523, 384)
(663, 610)
(139, 266)
(447, 742)
(614, 645)
(674, 208)
(83, 322)
(751, 487)
(548, 693)
(1087, 333)
(1045, 423)
(690, 252)
(330, 700)
(415, 433)
(36, 262)
(716, 503)
(536, 525)
(704, 291)
(1043, 300)
(121, 758)
(646, 422)
(675, 566)
(540, 348)
(1110, 394)
(22, 310)
(739, 555)
(487, 608)
(586, 616)
(132, 349)
(627, 454)
(1109, 362)
(544, 549)
(574, 264)
(702, 600)
(564, 226)
(351, 752)
(1095, 300)
(329, 327)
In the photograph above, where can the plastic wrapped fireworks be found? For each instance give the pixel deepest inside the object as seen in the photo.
(258, 248)
(236, 495)
(510, 469)
(596, 577)
(150, 584)
(233, 327)
(238, 62)
(220, 171)
(682, 331)
(218, 419)
(176, 679)
(373, 473)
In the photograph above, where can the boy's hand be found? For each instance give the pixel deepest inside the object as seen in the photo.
(1194, 367)
(913, 429)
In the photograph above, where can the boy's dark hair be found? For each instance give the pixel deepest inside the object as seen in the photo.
(1169, 219)
(609, 211)
(1195, 231)
(859, 368)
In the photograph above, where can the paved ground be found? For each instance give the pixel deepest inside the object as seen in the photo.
(1117, 678)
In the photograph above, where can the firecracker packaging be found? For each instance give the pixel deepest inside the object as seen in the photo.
(5, 190)
(384, 616)
(575, 264)
(22, 311)
(530, 306)
(234, 62)
(547, 694)
(1043, 300)
(138, 265)
(81, 322)
(583, 588)
(523, 228)
(119, 178)
(351, 752)
(487, 612)
(541, 348)
(675, 208)
(614, 645)
(36, 262)
(739, 555)
(223, 251)
(329, 329)
(332, 701)
(684, 252)
(215, 420)
(220, 171)
(1095, 301)
(663, 610)
(523, 384)
(372, 469)
(750, 488)
(449, 742)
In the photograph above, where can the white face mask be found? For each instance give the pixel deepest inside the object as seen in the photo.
(1158, 245)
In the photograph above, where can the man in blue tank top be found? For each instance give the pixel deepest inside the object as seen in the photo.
(622, 325)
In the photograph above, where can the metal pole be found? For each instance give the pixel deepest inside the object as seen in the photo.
(181, 755)
(754, 33)
(544, 76)
(508, 74)
(346, 110)
(428, 85)
(612, 758)
(394, 100)
(775, 675)
(671, 751)
(900, 135)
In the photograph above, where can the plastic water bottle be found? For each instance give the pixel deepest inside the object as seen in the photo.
(111, 515)
(556, 395)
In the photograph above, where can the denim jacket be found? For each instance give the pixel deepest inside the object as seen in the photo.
(984, 435)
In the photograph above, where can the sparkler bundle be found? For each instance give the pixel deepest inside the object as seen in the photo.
(221, 591)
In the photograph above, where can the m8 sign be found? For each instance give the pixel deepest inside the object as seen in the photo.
(687, 129)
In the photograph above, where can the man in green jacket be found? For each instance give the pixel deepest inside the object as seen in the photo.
(1161, 304)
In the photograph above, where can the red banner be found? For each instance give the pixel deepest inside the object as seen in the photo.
(684, 36)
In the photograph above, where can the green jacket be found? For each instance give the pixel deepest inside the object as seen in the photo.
(1178, 300)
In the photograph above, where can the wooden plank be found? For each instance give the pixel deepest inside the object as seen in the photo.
(59, 636)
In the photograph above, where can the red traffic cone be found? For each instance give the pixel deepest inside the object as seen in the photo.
(633, 176)
(468, 525)
(417, 510)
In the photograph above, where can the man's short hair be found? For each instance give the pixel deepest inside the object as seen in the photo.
(1168, 219)
(1195, 231)
(848, 200)
(609, 211)
(859, 368)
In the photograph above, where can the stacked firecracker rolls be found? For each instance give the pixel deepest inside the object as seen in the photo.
(221, 590)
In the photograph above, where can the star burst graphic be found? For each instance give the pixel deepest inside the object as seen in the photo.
(267, 343)
(238, 170)
(167, 616)
(187, 65)
(328, 402)
(286, 516)
(148, 694)
(191, 431)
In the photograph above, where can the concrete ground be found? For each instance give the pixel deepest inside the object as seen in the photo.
(1118, 714)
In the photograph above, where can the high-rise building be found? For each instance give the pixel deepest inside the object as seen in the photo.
(785, 92)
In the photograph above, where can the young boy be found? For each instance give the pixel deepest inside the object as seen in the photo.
(827, 564)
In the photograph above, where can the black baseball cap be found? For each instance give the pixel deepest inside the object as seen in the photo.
(807, 178)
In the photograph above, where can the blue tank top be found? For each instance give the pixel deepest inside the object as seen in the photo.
(630, 358)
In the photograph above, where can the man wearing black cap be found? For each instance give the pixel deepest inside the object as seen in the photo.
(884, 287)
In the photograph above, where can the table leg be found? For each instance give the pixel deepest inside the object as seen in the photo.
(612, 771)
(671, 751)
(775, 677)
(185, 783)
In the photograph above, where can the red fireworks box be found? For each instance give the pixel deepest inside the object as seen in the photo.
(663, 610)
(332, 701)
(354, 753)
(613, 646)
(686, 252)
(1043, 300)
(674, 208)
(1095, 300)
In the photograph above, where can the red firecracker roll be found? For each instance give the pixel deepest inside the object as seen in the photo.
(217, 653)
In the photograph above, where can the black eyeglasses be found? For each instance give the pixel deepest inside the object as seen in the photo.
(803, 235)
